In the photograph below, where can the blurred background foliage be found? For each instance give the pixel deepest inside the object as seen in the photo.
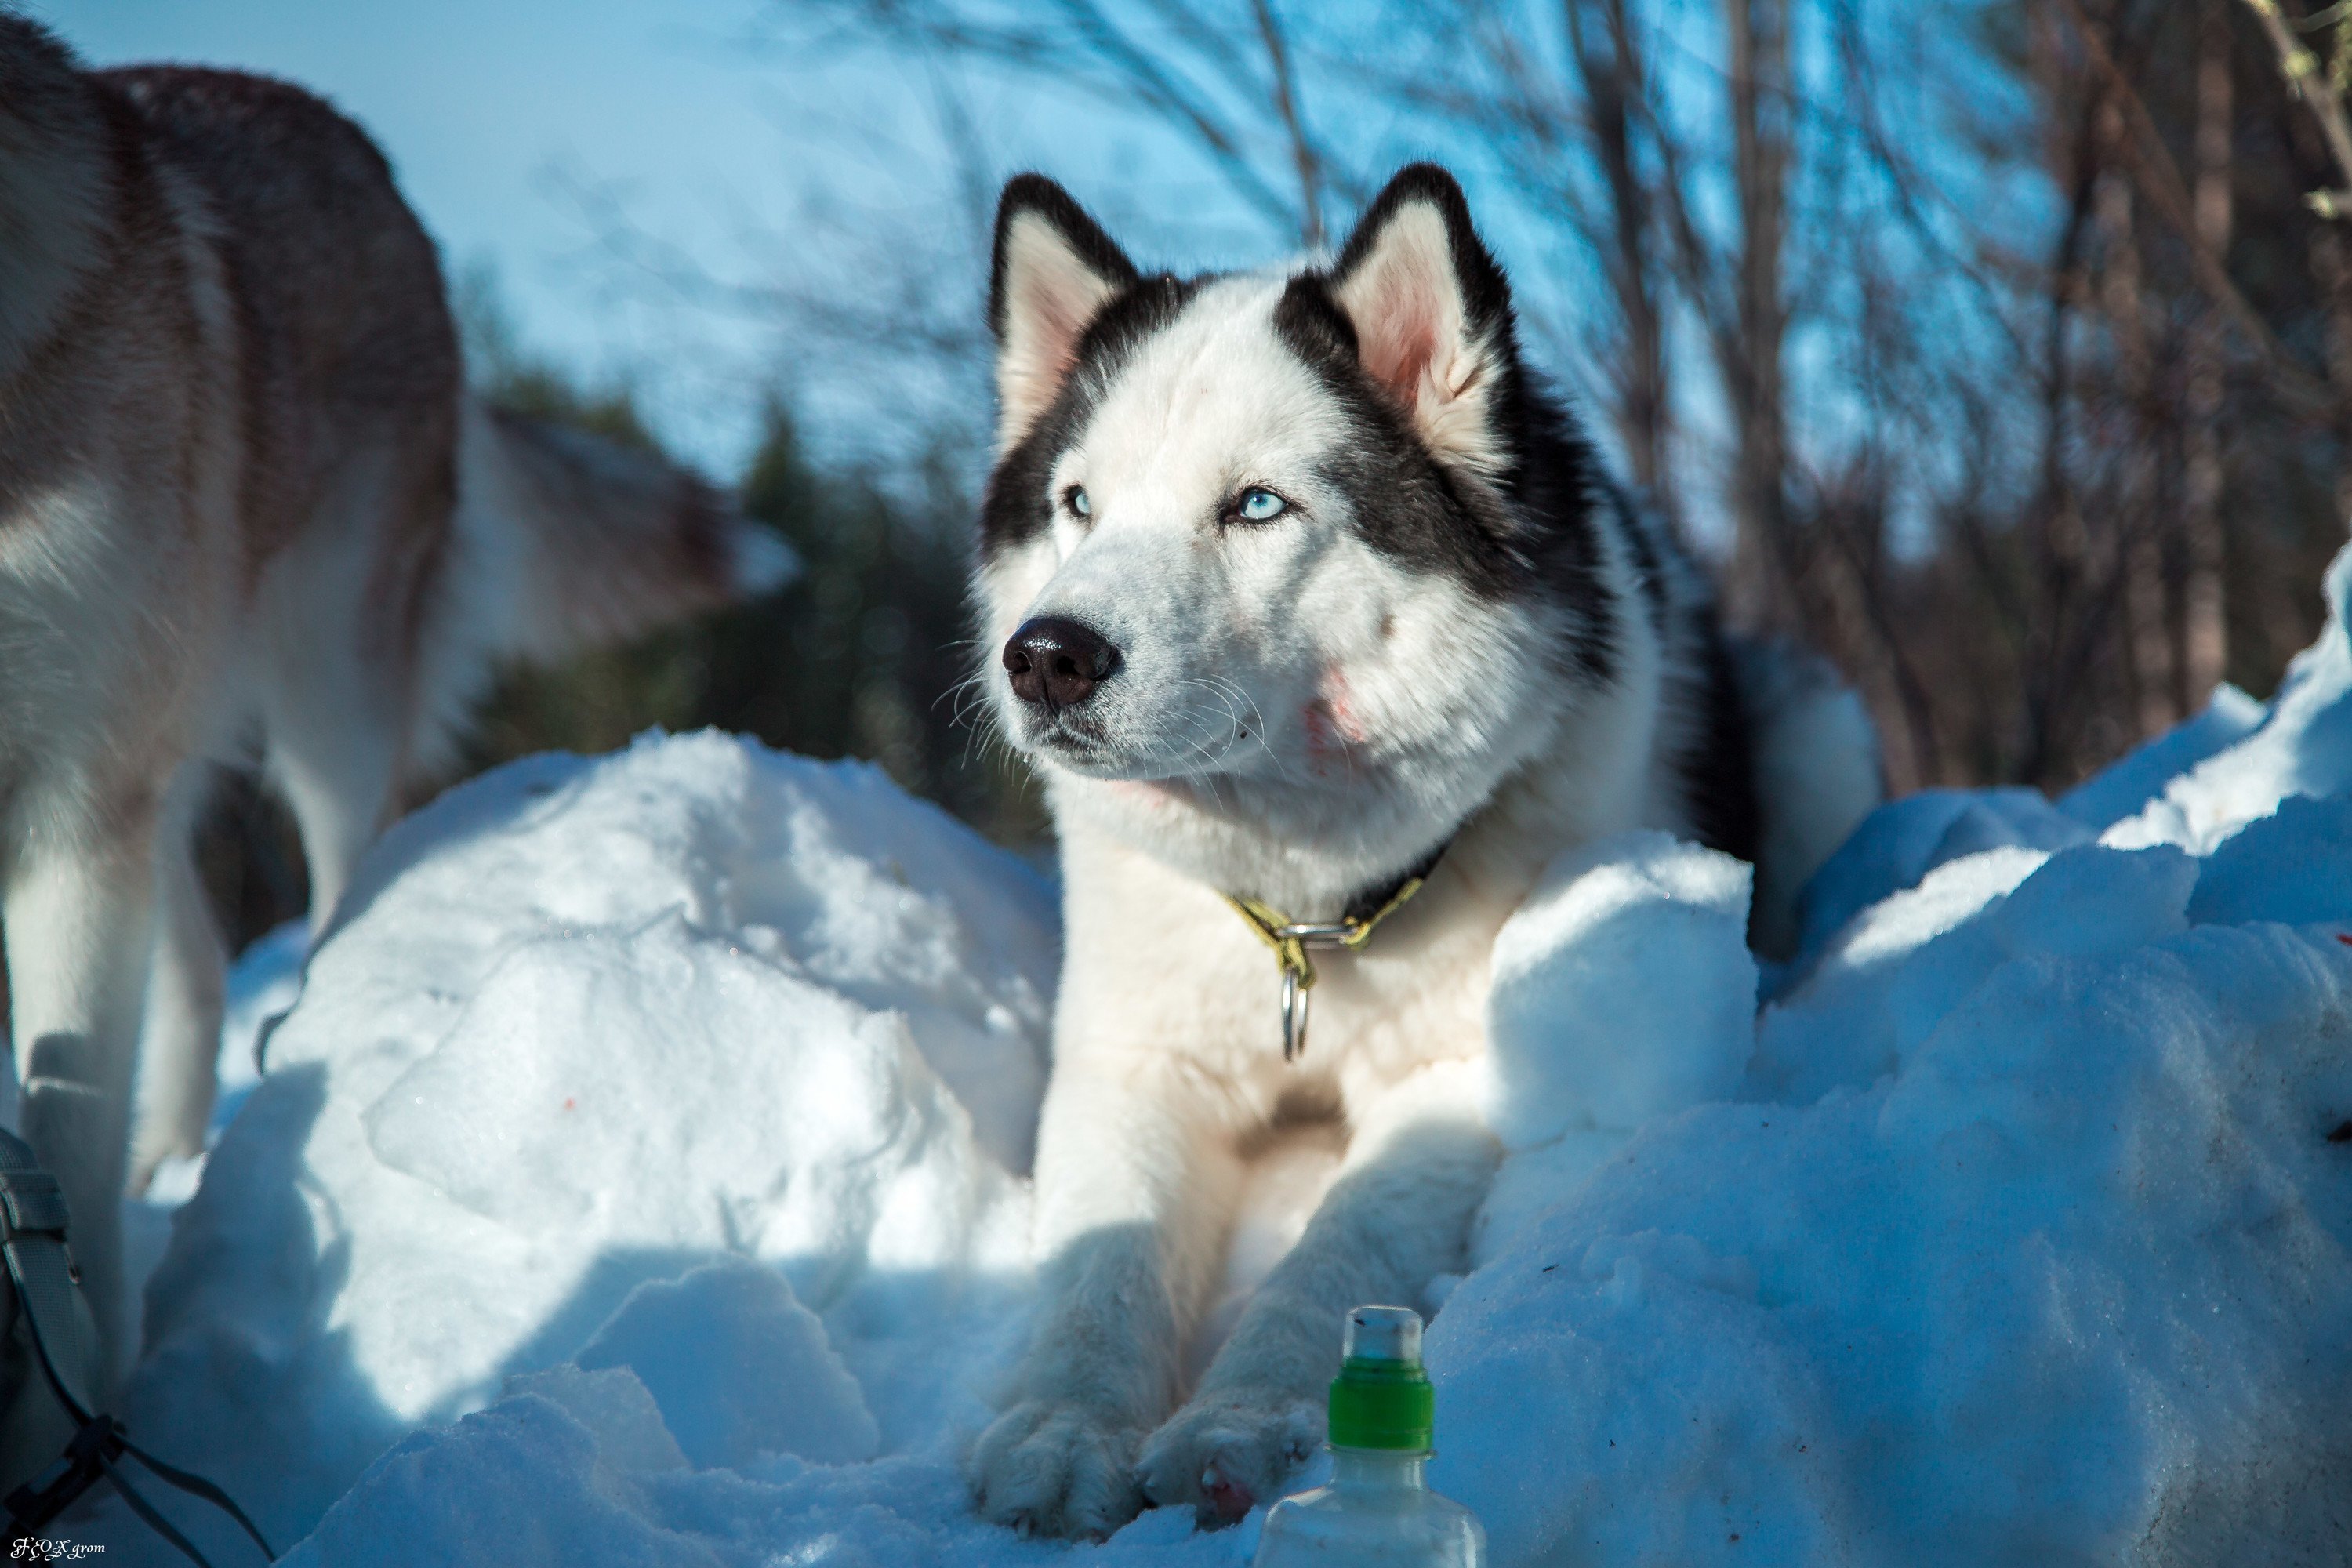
(862, 655)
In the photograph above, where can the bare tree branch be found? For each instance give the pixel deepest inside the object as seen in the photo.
(2159, 177)
(1302, 150)
(2323, 92)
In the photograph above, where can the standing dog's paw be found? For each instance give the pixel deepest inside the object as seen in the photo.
(1225, 1456)
(1051, 1468)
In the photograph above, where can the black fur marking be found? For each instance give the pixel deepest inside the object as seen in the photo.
(33, 58)
(1637, 524)
(1531, 531)
(1718, 771)
(1017, 505)
(1541, 536)
(1036, 193)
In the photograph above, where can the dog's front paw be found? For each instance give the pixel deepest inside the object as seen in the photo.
(1225, 1456)
(1047, 1467)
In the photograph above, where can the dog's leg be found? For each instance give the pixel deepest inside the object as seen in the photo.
(336, 724)
(77, 920)
(338, 782)
(1418, 1166)
(179, 1047)
(1136, 1176)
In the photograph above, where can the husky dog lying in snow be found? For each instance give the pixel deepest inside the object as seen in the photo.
(244, 508)
(1314, 611)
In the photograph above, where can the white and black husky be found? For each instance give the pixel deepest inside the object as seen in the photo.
(1311, 610)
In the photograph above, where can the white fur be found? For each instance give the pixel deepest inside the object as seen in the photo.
(1336, 713)
(116, 588)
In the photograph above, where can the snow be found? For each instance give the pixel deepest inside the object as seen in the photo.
(2070, 1287)
(2122, 789)
(1581, 1058)
(2303, 746)
(639, 1178)
(589, 1025)
(1893, 976)
(734, 1367)
(1571, 1038)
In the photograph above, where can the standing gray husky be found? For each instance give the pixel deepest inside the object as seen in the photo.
(244, 502)
(1327, 636)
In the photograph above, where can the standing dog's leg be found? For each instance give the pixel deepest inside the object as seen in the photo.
(180, 1047)
(338, 701)
(1417, 1169)
(337, 704)
(335, 750)
(1136, 1174)
(78, 916)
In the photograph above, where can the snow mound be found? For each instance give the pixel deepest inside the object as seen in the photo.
(586, 1029)
(2303, 746)
(638, 1179)
(1623, 991)
(736, 1367)
(1890, 978)
(1571, 1038)
(1899, 844)
(2072, 1285)
(2125, 786)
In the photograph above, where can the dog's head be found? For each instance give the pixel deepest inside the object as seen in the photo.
(1295, 546)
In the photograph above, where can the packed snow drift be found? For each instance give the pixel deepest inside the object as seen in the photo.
(639, 1179)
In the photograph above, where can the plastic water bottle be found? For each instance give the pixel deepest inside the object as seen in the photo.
(1377, 1512)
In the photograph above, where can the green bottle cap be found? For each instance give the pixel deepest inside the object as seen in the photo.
(1381, 1398)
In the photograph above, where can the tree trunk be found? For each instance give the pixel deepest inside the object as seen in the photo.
(1294, 123)
(2139, 530)
(1764, 569)
(2204, 652)
(2331, 266)
(1613, 85)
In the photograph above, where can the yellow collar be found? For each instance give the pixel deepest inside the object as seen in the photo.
(1293, 942)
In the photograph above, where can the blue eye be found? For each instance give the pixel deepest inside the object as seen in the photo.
(1074, 498)
(1260, 506)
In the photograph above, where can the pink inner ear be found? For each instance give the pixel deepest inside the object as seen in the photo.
(1052, 294)
(1059, 322)
(1052, 335)
(1413, 333)
(1398, 321)
(1398, 363)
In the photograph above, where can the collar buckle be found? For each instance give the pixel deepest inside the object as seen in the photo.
(1293, 942)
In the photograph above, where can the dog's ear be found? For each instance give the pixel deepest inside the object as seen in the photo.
(1055, 268)
(1431, 313)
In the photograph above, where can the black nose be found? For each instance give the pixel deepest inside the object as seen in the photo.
(1058, 662)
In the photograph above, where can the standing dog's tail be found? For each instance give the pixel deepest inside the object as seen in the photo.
(565, 541)
(1815, 757)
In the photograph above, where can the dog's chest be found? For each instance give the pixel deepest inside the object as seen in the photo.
(1415, 994)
